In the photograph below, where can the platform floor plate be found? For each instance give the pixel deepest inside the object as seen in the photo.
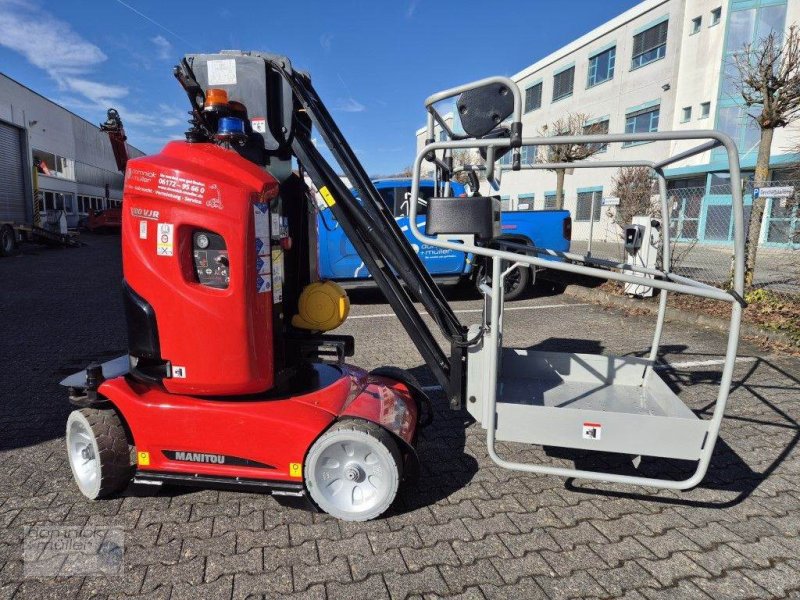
(593, 402)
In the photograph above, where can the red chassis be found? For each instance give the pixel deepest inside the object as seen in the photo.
(255, 438)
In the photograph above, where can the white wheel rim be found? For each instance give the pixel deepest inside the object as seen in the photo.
(353, 475)
(82, 451)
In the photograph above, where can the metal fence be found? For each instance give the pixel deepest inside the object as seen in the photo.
(701, 231)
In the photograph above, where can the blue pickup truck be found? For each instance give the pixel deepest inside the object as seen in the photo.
(339, 261)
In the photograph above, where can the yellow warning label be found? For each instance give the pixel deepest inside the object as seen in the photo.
(144, 459)
(296, 469)
(326, 195)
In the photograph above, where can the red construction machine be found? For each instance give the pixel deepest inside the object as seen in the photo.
(231, 378)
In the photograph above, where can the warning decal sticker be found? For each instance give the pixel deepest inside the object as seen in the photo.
(261, 219)
(326, 195)
(222, 72)
(259, 124)
(165, 240)
(592, 431)
(277, 262)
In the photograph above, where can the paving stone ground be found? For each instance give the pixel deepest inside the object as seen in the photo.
(467, 528)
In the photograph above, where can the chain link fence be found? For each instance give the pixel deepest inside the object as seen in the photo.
(701, 232)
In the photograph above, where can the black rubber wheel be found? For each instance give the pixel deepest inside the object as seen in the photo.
(98, 451)
(8, 240)
(516, 282)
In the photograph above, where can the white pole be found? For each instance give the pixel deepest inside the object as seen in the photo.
(591, 226)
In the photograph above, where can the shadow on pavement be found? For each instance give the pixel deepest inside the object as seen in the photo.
(727, 472)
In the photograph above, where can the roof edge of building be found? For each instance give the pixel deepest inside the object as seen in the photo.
(56, 104)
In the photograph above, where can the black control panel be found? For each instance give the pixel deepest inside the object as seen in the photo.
(211, 259)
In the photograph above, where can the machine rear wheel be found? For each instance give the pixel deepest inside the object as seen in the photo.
(353, 470)
(98, 452)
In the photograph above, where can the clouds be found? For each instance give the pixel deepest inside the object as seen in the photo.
(350, 105)
(163, 47)
(326, 40)
(72, 61)
(412, 7)
(46, 42)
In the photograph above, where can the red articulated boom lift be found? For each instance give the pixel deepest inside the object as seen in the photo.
(116, 135)
(231, 379)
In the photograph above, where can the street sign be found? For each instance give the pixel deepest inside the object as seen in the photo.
(610, 201)
(786, 191)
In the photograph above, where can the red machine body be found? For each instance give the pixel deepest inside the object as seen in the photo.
(259, 438)
(205, 313)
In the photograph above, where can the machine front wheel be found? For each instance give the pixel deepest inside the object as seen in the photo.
(98, 452)
(353, 470)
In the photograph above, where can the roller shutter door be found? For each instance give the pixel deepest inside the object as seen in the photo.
(12, 183)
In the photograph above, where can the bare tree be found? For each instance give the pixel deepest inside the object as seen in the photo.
(635, 188)
(769, 83)
(572, 124)
(463, 158)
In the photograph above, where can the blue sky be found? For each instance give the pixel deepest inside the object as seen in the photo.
(373, 62)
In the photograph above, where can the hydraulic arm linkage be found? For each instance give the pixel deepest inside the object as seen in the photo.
(379, 241)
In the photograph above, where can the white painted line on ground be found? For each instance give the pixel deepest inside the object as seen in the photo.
(472, 310)
(704, 363)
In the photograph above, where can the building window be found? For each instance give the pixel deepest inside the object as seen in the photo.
(588, 205)
(527, 155)
(442, 136)
(735, 121)
(705, 109)
(597, 128)
(649, 45)
(752, 25)
(697, 24)
(525, 202)
(601, 67)
(641, 121)
(533, 97)
(716, 16)
(563, 83)
(549, 200)
(686, 114)
(50, 164)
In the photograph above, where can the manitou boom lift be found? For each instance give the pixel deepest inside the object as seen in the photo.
(231, 379)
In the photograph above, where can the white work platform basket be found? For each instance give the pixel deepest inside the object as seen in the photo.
(584, 402)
